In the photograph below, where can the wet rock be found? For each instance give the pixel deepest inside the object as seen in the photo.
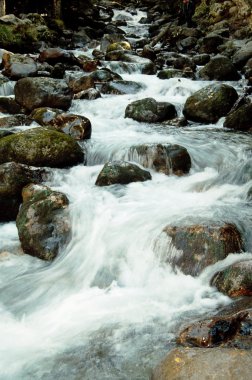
(175, 73)
(18, 66)
(121, 87)
(41, 147)
(131, 62)
(219, 68)
(9, 105)
(210, 43)
(42, 92)
(210, 103)
(121, 45)
(220, 330)
(57, 55)
(13, 177)
(105, 75)
(89, 94)
(15, 120)
(182, 62)
(187, 44)
(201, 59)
(80, 84)
(242, 55)
(121, 172)
(200, 246)
(240, 119)
(167, 159)
(204, 363)
(150, 111)
(43, 222)
(235, 280)
(108, 39)
(4, 133)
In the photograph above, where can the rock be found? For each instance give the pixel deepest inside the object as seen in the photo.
(89, 94)
(105, 75)
(42, 92)
(123, 61)
(220, 330)
(167, 159)
(235, 280)
(181, 62)
(4, 133)
(121, 45)
(121, 172)
(210, 43)
(108, 39)
(43, 222)
(57, 55)
(78, 127)
(15, 120)
(200, 246)
(9, 105)
(201, 59)
(242, 55)
(121, 87)
(210, 103)
(41, 147)
(150, 111)
(13, 177)
(219, 68)
(240, 119)
(204, 363)
(83, 83)
(18, 66)
(175, 73)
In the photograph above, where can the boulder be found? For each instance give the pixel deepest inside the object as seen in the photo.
(43, 222)
(210, 103)
(121, 45)
(121, 172)
(42, 92)
(204, 363)
(78, 127)
(235, 280)
(41, 147)
(230, 331)
(80, 84)
(13, 177)
(57, 55)
(219, 68)
(121, 87)
(175, 73)
(123, 61)
(105, 75)
(9, 105)
(201, 59)
(150, 111)
(199, 246)
(242, 55)
(89, 94)
(240, 119)
(167, 159)
(210, 43)
(18, 66)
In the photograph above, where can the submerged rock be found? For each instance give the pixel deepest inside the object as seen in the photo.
(200, 246)
(43, 92)
(41, 147)
(209, 104)
(121, 172)
(43, 222)
(150, 111)
(167, 159)
(235, 280)
(204, 363)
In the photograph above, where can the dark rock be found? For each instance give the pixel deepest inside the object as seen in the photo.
(219, 68)
(204, 363)
(175, 73)
(210, 103)
(240, 119)
(43, 222)
(235, 280)
(201, 59)
(167, 159)
(201, 246)
(41, 147)
(42, 92)
(4, 132)
(121, 87)
(13, 177)
(242, 55)
(210, 43)
(105, 75)
(150, 111)
(9, 105)
(121, 172)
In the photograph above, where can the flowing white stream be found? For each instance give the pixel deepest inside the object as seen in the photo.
(109, 307)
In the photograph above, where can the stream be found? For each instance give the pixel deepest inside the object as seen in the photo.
(109, 306)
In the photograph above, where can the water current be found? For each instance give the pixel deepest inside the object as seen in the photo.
(109, 306)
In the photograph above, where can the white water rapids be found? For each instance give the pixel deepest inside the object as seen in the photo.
(109, 307)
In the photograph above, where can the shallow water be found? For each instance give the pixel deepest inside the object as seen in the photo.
(109, 307)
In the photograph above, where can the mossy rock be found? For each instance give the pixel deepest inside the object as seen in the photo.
(41, 147)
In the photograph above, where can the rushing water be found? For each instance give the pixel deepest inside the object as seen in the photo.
(109, 307)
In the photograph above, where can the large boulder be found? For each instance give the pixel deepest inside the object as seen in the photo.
(235, 280)
(78, 127)
(43, 92)
(150, 111)
(43, 222)
(210, 103)
(41, 147)
(167, 159)
(219, 68)
(199, 246)
(121, 172)
(18, 66)
(204, 363)
(240, 119)
(13, 177)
